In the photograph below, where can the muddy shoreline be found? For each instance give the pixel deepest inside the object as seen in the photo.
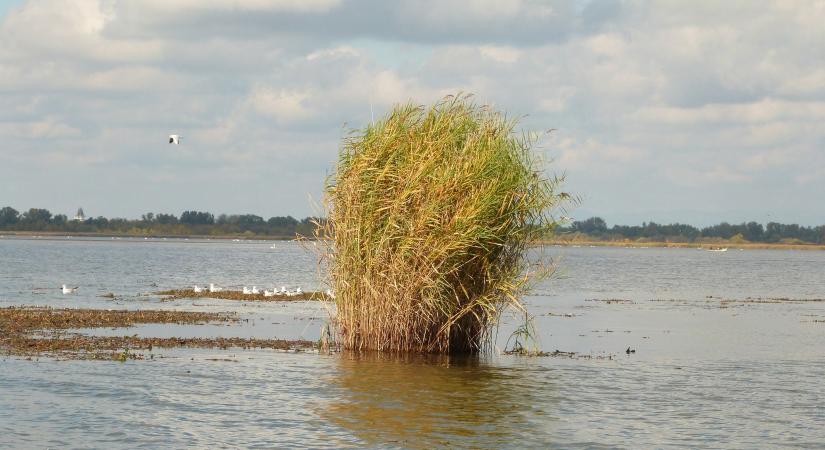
(696, 245)
(218, 237)
(41, 332)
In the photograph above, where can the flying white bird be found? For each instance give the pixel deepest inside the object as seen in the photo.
(175, 139)
(68, 290)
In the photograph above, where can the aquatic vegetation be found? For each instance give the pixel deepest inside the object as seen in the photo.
(525, 340)
(430, 212)
(611, 301)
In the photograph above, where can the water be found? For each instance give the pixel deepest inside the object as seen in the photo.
(728, 354)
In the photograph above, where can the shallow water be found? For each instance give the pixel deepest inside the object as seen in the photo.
(728, 354)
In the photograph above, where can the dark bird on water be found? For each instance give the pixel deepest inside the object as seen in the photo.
(630, 350)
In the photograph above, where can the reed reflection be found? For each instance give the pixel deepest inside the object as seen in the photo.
(422, 401)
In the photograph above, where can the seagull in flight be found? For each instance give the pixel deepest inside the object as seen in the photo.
(174, 139)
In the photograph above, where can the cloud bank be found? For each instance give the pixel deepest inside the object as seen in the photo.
(695, 112)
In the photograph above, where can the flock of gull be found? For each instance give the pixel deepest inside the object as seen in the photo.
(253, 291)
(246, 291)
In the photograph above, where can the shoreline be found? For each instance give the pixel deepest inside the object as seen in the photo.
(54, 235)
(696, 245)
(62, 234)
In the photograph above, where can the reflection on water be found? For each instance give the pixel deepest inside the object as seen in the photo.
(425, 401)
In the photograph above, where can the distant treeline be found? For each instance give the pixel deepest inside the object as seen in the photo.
(190, 223)
(596, 228)
(200, 223)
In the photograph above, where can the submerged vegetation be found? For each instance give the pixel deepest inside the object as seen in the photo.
(430, 213)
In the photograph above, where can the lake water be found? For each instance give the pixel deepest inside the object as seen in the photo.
(730, 352)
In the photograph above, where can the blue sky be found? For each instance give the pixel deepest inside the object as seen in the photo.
(5, 5)
(694, 112)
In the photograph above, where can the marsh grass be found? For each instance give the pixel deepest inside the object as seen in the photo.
(429, 216)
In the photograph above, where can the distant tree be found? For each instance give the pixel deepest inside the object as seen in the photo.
(249, 220)
(593, 225)
(8, 216)
(36, 218)
(773, 232)
(166, 219)
(99, 223)
(197, 218)
(754, 232)
(723, 230)
(282, 222)
(60, 220)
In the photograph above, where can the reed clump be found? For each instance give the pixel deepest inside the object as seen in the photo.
(429, 215)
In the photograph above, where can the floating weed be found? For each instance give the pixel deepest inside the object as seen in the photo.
(525, 339)
(124, 355)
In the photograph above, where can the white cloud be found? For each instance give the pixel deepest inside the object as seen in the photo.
(190, 6)
(69, 30)
(759, 112)
(714, 175)
(49, 128)
(501, 54)
(668, 99)
(590, 154)
(284, 106)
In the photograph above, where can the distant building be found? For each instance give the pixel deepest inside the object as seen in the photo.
(79, 216)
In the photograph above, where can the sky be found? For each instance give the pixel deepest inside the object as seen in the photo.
(694, 112)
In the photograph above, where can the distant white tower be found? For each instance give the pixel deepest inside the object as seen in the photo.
(79, 216)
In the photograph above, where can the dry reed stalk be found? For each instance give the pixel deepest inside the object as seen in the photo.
(429, 216)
